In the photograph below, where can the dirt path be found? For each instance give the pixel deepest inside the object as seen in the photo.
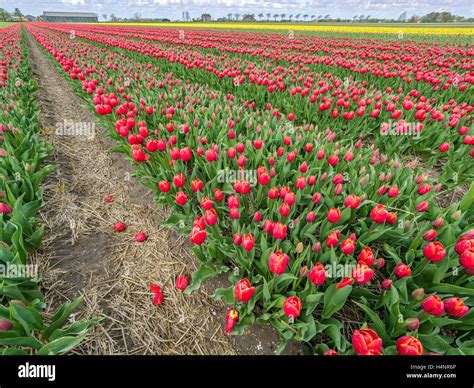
(83, 256)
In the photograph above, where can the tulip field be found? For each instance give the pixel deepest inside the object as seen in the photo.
(328, 178)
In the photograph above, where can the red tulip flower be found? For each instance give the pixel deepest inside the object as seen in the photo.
(348, 246)
(317, 274)
(248, 241)
(181, 282)
(378, 214)
(243, 291)
(140, 237)
(120, 227)
(352, 201)
(366, 342)
(433, 305)
(347, 281)
(366, 256)
(362, 273)
(279, 231)
(232, 317)
(455, 307)
(198, 235)
(409, 346)
(401, 270)
(158, 294)
(434, 251)
(277, 262)
(292, 307)
(334, 215)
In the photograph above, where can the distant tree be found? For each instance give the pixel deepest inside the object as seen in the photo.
(367, 17)
(260, 16)
(290, 17)
(17, 13)
(229, 16)
(283, 15)
(113, 17)
(313, 17)
(269, 15)
(4, 15)
(297, 16)
(361, 17)
(355, 17)
(320, 17)
(402, 17)
(205, 17)
(305, 17)
(237, 16)
(248, 17)
(137, 16)
(276, 16)
(187, 16)
(327, 17)
(105, 16)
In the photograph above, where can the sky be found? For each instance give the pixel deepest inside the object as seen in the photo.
(173, 9)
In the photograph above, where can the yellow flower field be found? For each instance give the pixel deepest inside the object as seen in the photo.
(383, 29)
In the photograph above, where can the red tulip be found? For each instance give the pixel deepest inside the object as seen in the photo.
(362, 273)
(332, 240)
(248, 242)
(231, 319)
(467, 259)
(347, 281)
(140, 237)
(243, 291)
(181, 198)
(378, 214)
(443, 147)
(433, 305)
(317, 274)
(366, 256)
(434, 251)
(366, 342)
(334, 215)
(386, 284)
(181, 282)
(279, 230)
(278, 262)
(424, 189)
(158, 294)
(5, 325)
(164, 186)
(465, 242)
(210, 216)
(292, 307)
(4, 208)
(352, 201)
(393, 191)
(455, 306)
(401, 270)
(198, 235)
(107, 199)
(348, 246)
(422, 206)
(429, 235)
(120, 227)
(409, 346)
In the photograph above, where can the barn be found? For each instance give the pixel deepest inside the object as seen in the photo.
(69, 17)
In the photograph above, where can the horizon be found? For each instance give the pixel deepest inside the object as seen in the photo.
(175, 9)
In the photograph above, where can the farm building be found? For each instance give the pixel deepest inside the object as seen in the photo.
(69, 17)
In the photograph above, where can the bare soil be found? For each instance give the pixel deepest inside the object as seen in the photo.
(82, 255)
